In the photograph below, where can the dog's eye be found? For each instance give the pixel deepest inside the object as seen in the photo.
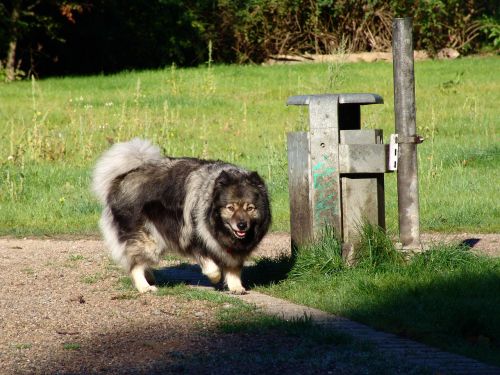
(250, 208)
(230, 208)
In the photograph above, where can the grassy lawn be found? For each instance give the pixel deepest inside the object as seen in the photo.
(52, 131)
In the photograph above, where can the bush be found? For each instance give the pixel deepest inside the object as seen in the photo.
(60, 37)
(258, 29)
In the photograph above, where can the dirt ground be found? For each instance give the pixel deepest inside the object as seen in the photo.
(63, 310)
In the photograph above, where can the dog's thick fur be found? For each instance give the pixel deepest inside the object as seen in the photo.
(212, 211)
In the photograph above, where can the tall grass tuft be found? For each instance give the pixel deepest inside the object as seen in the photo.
(376, 248)
(321, 258)
(324, 256)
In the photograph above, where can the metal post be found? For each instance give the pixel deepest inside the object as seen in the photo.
(404, 108)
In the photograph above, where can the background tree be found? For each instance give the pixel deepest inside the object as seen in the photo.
(28, 26)
(54, 37)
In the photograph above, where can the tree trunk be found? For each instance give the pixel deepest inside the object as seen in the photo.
(10, 65)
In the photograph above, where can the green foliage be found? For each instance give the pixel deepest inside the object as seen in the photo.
(376, 249)
(490, 27)
(72, 346)
(60, 37)
(259, 29)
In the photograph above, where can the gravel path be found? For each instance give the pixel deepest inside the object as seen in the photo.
(63, 310)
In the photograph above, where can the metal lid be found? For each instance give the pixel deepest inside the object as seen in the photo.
(347, 98)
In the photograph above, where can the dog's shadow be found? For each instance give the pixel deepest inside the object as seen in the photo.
(261, 272)
(184, 273)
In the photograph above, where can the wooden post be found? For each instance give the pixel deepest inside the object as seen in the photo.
(313, 160)
(301, 222)
(363, 185)
(335, 170)
(405, 116)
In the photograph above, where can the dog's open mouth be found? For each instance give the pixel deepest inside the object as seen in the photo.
(239, 233)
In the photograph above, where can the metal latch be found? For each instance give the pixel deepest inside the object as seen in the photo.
(416, 139)
(395, 141)
(393, 153)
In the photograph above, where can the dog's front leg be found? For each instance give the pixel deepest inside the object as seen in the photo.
(233, 280)
(138, 274)
(210, 269)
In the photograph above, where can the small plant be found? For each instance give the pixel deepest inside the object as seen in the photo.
(28, 271)
(125, 283)
(336, 68)
(92, 279)
(22, 346)
(209, 85)
(72, 346)
(76, 257)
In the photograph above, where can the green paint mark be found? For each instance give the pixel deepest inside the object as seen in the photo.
(324, 179)
(318, 166)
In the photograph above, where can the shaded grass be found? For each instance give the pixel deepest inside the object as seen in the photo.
(52, 131)
(447, 297)
(275, 342)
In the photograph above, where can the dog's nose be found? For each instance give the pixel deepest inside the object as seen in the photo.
(242, 225)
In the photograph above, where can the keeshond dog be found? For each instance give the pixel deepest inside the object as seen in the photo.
(211, 211)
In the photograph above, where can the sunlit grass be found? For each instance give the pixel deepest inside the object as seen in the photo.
(52, 131)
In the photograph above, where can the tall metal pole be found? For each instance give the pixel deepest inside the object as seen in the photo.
(404, 108)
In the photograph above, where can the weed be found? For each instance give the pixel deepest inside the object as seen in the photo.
(76, 257)
(376, 249)
(92, 279)
(126, 296)
(125, 283)
(323, 257)
(336, 69)
(72, 346)
(23, 346)
(28, 271)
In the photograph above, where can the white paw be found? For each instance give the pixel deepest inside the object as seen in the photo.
(147, 288)
(237, 290)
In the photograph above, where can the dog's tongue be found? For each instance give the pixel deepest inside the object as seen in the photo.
(240, 234)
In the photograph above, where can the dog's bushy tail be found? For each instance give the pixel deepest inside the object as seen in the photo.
(120, 159)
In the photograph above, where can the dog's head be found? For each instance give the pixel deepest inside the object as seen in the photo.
(242, 205)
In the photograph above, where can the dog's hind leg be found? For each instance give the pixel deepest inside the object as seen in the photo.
(142, 253)
(210, 269)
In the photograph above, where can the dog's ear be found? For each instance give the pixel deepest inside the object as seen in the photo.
(256, 180)
(224, 179)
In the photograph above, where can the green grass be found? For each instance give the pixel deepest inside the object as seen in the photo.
(52, 131)
(446, 297)
(72, 346)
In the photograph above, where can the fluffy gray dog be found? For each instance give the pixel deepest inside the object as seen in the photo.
(212, 211)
